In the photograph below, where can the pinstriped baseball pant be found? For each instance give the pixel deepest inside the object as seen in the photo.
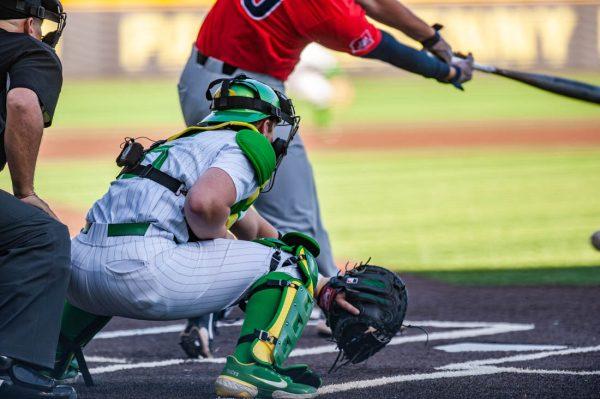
(154, 278)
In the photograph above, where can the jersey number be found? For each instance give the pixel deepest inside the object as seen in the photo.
(260, 9)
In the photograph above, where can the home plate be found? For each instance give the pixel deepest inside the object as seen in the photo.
(489, 347)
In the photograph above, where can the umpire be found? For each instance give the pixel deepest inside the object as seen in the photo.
(34, 245)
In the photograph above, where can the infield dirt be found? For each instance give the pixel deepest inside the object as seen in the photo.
(75, 143)
(558, 316)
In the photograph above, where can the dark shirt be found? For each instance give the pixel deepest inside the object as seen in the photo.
(28, 63)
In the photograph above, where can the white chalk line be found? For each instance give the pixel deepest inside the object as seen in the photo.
(162, 363)
(495, 347)
(476, 371)
(102, 359)
(179, 327)
(542, 371)
(376, 382)
(518, 358)
(497, 328)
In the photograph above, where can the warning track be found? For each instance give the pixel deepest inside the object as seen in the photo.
(75, 143)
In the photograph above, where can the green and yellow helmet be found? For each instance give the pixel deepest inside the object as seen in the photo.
(242, 99)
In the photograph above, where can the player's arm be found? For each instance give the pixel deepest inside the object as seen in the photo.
(253, 226)
(396, 15)
(393, 52)
(208, 203)
(35, 83)
(23, 135)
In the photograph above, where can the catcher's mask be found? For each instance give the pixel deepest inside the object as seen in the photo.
(51, 10)
(244, 99)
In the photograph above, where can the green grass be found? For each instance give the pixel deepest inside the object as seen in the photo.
(474, 216)
(119, 103)
(448, 211)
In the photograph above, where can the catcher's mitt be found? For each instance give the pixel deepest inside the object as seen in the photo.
(380, 295)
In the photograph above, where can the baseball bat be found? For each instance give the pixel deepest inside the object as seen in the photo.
(554, 84)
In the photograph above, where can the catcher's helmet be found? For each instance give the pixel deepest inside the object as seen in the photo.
(242, 99)
(51, 10)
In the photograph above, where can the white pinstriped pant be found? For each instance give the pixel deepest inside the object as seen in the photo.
(154, 278)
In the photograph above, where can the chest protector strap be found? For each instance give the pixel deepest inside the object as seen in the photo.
(256, 147)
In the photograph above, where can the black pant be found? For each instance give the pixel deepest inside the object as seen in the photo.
(35, 253)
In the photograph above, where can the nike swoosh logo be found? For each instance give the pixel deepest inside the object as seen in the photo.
(281, 384)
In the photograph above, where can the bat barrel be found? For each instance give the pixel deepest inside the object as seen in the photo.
(566, 87)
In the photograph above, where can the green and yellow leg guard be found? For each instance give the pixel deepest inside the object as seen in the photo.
(77, 328)
(277, 310)
(272, 343)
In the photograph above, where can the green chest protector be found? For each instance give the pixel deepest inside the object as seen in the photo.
(256, 147)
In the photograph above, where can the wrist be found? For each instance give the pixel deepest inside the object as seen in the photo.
(326, 296)
(430, 38)
(320, 284)
(451, 74)
(23, 193)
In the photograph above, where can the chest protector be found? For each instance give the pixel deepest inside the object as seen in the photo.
(256, 147)
(261, 155)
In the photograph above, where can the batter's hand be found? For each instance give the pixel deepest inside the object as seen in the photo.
(437, 46)
(36, 201)
(462, 70)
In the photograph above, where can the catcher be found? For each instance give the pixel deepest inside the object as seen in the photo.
(156, 247)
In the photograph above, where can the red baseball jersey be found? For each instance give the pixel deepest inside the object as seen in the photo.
(267, 36)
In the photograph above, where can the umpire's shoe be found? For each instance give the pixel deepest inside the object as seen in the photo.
(251, 380)
(17, 380)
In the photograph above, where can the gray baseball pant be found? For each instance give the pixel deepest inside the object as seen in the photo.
(34, 274)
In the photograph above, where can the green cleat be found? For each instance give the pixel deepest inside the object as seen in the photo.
(71, 374)
(251, 380)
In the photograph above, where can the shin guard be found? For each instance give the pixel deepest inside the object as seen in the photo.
(77, 328)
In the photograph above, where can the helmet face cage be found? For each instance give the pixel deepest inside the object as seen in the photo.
(60, 18)
(285, 114)
(51, 10)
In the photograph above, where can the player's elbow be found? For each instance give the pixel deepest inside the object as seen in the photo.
(371, 7)
(367, 4)
(23, 104)
(206, 207)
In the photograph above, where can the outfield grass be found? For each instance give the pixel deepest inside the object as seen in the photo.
(450, 214)
(390, 100)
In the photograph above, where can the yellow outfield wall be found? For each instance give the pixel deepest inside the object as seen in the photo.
(117, 4)
(154, 36)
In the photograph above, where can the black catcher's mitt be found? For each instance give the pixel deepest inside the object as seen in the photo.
(380, 295)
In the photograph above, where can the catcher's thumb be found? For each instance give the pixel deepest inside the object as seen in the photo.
(341, 301)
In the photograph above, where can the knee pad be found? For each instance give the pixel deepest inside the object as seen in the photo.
(305, 249)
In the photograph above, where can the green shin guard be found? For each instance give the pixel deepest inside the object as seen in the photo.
(276, 313)
(78, 327)
(258, 316)
(278, 308)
